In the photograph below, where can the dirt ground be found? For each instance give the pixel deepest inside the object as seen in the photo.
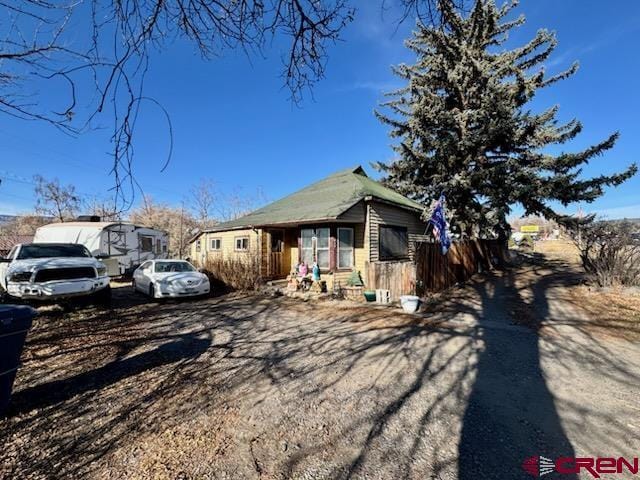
(253, 387)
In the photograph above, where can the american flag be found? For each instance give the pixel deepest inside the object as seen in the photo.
(440, 225)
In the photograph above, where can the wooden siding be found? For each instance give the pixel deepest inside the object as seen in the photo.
(355, 214)
(385, 214)
(227, 247)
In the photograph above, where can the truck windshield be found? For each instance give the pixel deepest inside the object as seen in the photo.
(162, 267)
(52, 250)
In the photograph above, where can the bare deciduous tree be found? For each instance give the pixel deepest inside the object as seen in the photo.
(56, 200)
(609, 250)
(177, 222)
(99, 52)
(105, 209)
(204, 197)
(20, 228)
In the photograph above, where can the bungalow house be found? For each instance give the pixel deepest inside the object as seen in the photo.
(344, 222)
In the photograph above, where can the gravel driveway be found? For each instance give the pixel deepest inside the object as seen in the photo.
(250, 387)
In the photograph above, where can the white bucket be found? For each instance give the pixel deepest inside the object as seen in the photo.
(410, 303)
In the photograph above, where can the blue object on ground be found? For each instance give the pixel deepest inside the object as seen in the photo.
(15, 322)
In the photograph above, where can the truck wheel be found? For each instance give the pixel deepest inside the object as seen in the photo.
(6, 298)
(103, 297)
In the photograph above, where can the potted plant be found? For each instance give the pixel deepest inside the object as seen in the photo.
(353, 290)
(370, 295)
(410, 303)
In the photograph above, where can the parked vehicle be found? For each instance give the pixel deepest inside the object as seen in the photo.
(121, 246)
(53, 271)
(169, 278)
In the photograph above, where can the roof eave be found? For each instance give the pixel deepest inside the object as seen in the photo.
(369, 198)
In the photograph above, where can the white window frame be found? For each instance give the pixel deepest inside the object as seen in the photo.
(219, 241)
(198, 245)
(353, 249)
(241, 249)
(314, 246)
(327, 248)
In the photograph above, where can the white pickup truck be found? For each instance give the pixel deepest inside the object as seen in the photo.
(53, 271)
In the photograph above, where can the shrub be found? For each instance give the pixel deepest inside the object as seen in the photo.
(527, 243)
(609, 252)
(236, 273)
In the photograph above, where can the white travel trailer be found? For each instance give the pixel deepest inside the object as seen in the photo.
(121, 246)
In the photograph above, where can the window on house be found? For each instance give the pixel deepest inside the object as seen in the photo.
(322, 247)
(345, 247)
(242, 244)
(314, 246)
(393, 242)
(146, 244)
(198, 245)
(216, 243)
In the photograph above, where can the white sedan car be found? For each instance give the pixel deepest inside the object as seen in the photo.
(169, 279)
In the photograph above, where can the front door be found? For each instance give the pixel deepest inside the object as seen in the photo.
(276, 251)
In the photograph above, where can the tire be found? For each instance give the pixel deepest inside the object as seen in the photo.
(6, 298)
(103, 297)
(152, 291)
(133, 285)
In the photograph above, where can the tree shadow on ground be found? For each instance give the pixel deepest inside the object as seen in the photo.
(360, 392)
(510, 414)
(183, 347)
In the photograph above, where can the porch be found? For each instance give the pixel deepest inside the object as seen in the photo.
(337, 248)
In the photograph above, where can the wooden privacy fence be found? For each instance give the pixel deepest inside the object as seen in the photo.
(436, 272)
(397, 277)
(431, 271)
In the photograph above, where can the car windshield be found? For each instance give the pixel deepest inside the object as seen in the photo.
(52, 250)
(162, 267)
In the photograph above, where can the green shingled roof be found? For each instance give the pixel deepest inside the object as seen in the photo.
(321, 201)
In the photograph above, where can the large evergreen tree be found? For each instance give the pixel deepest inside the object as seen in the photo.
(465, 128)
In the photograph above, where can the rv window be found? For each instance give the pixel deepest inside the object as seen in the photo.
(146, 244)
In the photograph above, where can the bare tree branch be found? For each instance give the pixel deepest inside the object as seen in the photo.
(39, 49)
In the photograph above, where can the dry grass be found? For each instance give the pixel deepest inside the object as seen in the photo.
(564, 249)
(614, 312)
(611, 311)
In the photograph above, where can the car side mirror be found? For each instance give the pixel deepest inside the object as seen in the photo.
(5, 260)
(101, 256)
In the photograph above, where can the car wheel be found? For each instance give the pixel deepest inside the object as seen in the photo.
(152, 291)
(133, 285)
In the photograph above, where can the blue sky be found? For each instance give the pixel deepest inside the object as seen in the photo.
(233, 122)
